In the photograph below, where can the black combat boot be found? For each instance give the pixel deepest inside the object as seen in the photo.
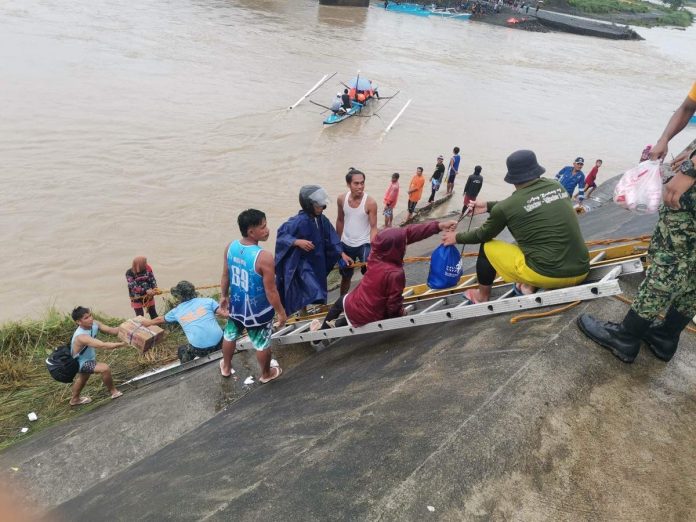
(622, 339)
(663, 337)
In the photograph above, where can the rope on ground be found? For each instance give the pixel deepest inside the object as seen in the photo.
(549, 313)
(661, 316)
(560, 310)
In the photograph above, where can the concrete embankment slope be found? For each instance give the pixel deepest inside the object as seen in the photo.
(479, 419)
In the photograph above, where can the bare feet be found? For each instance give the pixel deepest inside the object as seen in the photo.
(473, 296)
(80, 401)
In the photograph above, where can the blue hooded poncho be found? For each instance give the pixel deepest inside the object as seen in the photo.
(300, 275)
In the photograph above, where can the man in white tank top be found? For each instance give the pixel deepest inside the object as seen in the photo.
(356, 225)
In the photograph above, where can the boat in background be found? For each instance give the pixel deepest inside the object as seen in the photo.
(412, 9)
(423, 10)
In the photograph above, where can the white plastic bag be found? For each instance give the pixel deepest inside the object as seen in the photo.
(640, 188)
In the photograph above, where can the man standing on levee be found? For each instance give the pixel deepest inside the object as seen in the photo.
(670, 281)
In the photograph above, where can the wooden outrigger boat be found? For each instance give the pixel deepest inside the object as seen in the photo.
(338, 117)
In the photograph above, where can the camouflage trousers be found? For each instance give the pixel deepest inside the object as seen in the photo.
(671, 277)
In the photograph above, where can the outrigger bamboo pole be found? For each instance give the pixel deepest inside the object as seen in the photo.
(389, 127)
(323, 80)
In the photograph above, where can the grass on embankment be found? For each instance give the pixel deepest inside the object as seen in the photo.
(639, 11)
(26, 386)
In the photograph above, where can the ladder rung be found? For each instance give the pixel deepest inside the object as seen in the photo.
(284, 330)
(436, 304)
(303, 328)
(613, 274)
(468, 282)
(599, 257)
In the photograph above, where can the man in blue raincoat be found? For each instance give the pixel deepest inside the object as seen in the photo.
(307, 248)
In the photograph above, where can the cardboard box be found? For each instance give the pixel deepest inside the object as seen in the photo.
(135, 334)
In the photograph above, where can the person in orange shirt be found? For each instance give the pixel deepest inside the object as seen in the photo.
(415, 191)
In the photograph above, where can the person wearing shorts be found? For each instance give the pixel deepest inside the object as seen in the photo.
(453, 169)
(196, 316)
(415, 192)
(356, 225)
(550, 250)
(260, 336)
(249, 292)
(390, 198)
(84, 346)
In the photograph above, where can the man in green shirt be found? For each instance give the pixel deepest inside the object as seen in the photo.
(550, 250)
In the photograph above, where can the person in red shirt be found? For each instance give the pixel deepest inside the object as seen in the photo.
(378, 295)
(590, 184)
(390, 198)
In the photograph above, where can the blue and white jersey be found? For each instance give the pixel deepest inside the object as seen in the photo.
(248, 302)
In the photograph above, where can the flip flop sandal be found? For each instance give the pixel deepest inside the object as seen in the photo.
(226, 376)
(117, 395)
(274, 377)
(83, 400)
(517, 290)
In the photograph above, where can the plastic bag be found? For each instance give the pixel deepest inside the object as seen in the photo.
(640, 188)
(445, 267)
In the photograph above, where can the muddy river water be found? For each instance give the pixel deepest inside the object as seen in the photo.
(133, 128)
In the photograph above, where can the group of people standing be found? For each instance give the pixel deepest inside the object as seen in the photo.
(417, 186)
(549, 252)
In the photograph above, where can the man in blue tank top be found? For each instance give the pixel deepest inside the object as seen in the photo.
(249, 292)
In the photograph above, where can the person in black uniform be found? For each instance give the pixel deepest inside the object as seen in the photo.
(472, 188)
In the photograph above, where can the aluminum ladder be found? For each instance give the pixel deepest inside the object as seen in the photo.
(602, 281)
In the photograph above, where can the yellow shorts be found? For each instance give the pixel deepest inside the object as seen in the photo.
(510, 264)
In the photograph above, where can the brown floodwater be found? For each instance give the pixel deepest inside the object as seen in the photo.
(144, 128)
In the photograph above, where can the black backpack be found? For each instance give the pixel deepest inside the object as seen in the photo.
(62, 365)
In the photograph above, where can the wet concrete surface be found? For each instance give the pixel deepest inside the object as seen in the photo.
(475, 420)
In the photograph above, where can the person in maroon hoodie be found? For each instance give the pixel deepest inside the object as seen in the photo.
(378, 294)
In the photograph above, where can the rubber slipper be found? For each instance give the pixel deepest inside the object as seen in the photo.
(117, 395)
(229, 374)
(83, 400)
(517, 290)
(278, 372)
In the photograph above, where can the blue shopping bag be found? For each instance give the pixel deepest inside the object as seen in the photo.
(445, 267)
